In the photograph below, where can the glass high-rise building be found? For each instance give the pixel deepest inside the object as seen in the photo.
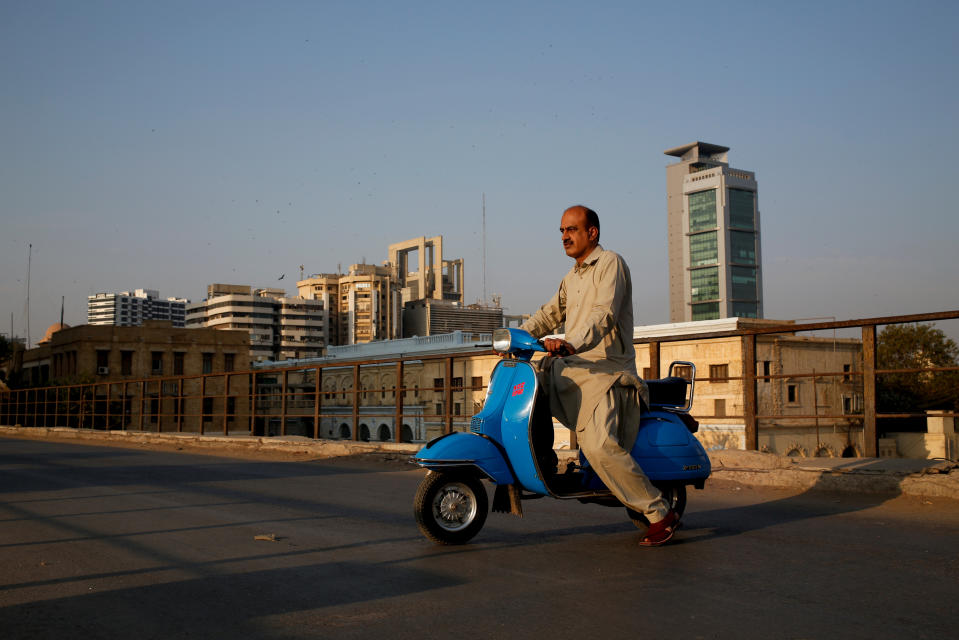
(715, 267)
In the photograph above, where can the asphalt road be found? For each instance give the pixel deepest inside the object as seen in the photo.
(105, 542)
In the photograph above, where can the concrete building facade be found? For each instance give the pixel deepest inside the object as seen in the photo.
(715, 262)
(279, 327)
(368, 303)
(131, 309)
(97, 353)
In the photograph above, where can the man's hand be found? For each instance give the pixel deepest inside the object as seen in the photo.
(558, 347)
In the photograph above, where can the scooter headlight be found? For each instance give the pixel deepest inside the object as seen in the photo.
(502, 338)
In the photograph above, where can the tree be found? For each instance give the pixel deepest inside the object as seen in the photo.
(6, 348)
(915, 347)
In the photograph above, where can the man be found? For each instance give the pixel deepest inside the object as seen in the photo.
(591, 381)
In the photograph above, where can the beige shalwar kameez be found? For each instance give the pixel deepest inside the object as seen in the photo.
(597, 391)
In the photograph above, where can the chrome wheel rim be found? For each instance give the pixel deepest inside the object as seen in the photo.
(454, 506)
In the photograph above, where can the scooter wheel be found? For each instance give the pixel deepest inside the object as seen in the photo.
(450, 508)
(675, 497)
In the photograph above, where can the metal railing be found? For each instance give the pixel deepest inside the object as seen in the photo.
(295, 401)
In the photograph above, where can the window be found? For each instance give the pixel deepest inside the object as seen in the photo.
(745, 310)
(702, 210)
(742, 247)
(103, 358)
(706, 311)
(207, 363)
(718, 371)
(457, 384)
(439, 408)
(156, 362)
(846, 368)
(719, 407)
(178, 363)
(207, 409)
(456, 408)
(230, 408)
(704, 249)
(792, 393)
(742, 209)
(846, 405)
(154, 409)
(683, 371)
(744, 283)
(126, 363)
(704, 284)
(766, 369)
(228, 360)
(438, 384)
(477, 383)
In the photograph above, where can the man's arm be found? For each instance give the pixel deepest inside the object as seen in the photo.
(549, 317)
(612, 284)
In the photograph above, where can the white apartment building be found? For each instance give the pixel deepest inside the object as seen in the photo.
(280, 327)
(126, 309)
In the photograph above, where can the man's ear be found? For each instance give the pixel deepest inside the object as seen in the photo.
(593, 233)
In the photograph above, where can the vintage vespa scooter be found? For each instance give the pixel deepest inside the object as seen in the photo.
(510, 444)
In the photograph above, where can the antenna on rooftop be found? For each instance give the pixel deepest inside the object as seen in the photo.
(301, 272)
(484, 249)
(29, 257)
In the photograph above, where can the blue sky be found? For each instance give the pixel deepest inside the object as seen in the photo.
(171, 145)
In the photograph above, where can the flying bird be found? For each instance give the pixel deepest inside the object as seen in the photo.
(281, 277)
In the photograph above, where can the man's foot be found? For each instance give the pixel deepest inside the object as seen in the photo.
(661, 532)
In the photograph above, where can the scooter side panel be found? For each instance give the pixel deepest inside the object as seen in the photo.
(517, 409)
(461, 450)
(667, 451)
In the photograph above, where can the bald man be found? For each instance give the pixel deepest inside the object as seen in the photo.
(590, 377)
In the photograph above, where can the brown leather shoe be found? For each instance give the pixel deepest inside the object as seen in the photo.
(661, 532)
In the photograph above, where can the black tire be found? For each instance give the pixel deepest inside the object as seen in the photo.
(450, 508)
(675, 497)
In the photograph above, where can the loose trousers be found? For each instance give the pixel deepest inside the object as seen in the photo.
(606, 440)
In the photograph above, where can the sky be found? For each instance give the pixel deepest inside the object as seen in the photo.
(169, 145)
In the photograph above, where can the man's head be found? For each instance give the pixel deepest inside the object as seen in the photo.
(580, 229)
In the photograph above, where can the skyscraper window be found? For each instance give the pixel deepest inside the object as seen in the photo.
(702, 210)
(703, 249)
(741, 209)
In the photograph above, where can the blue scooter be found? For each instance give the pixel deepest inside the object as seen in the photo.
(510, 444)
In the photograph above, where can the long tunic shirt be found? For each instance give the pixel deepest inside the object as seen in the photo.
(595, 302)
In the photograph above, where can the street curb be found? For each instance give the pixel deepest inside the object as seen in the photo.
(925, 478)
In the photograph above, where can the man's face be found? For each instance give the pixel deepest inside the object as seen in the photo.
(577, 239)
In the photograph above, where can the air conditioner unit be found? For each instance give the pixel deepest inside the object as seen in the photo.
(102, 371)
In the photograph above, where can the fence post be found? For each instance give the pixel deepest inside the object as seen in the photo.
(870, 435)
(203, 403)
(448, 396)
(356, 402)
(400, 391)
(654, 360)
(317, 402)
(749, 392)
(226, 401)
(283, 390)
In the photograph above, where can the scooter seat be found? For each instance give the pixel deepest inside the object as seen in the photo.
(667, 392)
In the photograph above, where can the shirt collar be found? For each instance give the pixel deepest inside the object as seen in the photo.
(590, 259)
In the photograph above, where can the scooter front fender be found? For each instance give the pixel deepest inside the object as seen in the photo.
(466, 451)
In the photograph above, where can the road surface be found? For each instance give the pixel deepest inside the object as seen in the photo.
(107, 542)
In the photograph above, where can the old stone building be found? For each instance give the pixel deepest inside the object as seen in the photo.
(100, 353)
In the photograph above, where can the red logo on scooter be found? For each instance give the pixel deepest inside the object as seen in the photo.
(518, 389)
